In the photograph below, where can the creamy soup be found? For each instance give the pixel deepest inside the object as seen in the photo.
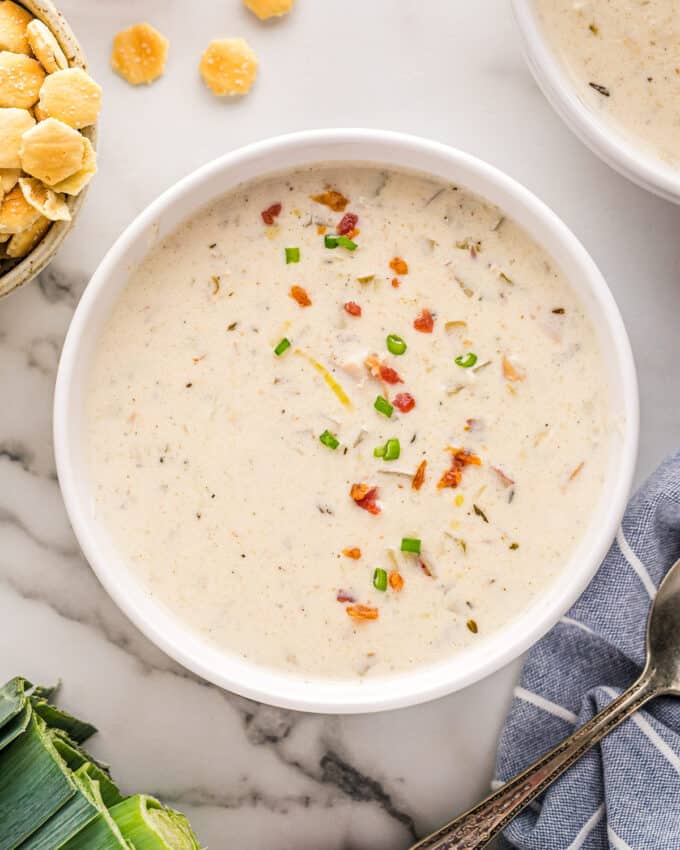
(624, 58)
(347, 421)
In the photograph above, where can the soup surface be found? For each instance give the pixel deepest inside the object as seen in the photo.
(346, 421)
(623, 56)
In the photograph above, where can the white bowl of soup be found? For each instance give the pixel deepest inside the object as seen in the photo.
(346, 420)
(609, 69)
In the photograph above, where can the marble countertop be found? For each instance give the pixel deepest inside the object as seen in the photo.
(248, 775)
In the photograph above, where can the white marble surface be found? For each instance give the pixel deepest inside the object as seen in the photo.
(250, 776)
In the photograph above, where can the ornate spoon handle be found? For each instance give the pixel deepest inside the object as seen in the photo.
(476, 827)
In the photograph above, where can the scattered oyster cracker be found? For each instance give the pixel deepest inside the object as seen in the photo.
(229, 66)
(139, 54)
(265, 9)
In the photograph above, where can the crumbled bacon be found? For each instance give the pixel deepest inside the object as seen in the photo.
(419, 477)
(398, 265)
(330, 198)
(362, 612)
(424, 322)
(389, 375)
(297, 293)
(396, 580)
(381, 371)
(271, 213)
(354, 553)
(344, 596)
(352, 308)
(459, 460)
(347, 224)
(365, 496)
(395, 282)
(404, 402)
(505, 480)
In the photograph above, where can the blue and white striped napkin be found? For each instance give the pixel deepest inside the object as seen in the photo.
(624, 794)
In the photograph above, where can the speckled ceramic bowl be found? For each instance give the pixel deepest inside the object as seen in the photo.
(15, 272)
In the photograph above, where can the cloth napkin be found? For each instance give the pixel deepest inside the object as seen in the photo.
(625, 793)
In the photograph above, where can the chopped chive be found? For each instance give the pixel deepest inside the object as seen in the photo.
(392, 449)
(284, 345)
(383, 406)
(329, 440)
(342, 241)
(410, 544)
(466, 360)
(380, 579)
(379, 451)
(292, 255)
(395, 344)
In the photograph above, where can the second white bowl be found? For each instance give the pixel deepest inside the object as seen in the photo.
(602, 137)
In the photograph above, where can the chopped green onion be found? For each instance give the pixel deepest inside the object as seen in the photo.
(392, 449)
(379, 451)
(410, 544)
(383, 406)
(466, 360)
(380, 579)
(342, 241)
(395, 344)
(284, 345)
(329, 440)
(292, 255)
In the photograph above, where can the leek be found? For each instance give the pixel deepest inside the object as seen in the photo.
(55, 796)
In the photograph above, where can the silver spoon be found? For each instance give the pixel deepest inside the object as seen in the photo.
(476, 827)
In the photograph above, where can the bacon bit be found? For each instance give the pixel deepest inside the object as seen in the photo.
(389, 375)
(381, 370)
(425, 568)
(424, 322)
(347, 224)
(396, 580)
(398, 265)
(404, 402)
(395, 283)
(330, 198)
(362, 612)
(344, 596)
(352, 308)
(271, 213)
(354, 553)
(364, 497)
(297, 293)
(510, 372)
(321, 229)
(419, 477)
(453, 476)
(576, 471)
(505, 480)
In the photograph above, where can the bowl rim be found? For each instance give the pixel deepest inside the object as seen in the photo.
(35, 261)
(296, 692)
(604, 140)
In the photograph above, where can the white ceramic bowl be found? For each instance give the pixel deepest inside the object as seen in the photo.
(161, 218)
(611, 145)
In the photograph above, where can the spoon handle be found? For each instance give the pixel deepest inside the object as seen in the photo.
(477, 826)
